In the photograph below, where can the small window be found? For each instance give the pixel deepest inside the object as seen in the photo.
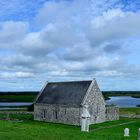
(44, 113)
(56, 114)
(65, 111)
(98, 108)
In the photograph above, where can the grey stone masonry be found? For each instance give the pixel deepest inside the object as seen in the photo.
(57, 114)
(112, 113)
(94, 99)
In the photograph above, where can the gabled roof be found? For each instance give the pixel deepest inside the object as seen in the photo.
(64, 93)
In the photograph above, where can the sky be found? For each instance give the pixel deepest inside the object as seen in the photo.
(66, 40)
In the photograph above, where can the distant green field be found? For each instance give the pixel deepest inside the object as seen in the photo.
(135, 110)
(17, 98)
(33, 130)
(30, 96)
(107, 94)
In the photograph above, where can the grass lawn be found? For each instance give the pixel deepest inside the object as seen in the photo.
(34, 130)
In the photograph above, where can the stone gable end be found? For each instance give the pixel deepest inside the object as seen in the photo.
(94, 99)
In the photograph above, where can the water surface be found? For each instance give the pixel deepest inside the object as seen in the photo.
(124, 101)
(14, 104)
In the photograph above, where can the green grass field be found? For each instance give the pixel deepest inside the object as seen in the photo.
(27, 96)
(17, 98)
(135, 111)
(34, 130)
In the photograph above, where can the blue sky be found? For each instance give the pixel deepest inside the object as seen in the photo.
(61, 40)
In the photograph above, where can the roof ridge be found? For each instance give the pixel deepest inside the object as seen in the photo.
(70, 81)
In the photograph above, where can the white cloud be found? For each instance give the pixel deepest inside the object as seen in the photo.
(12, 33)
(70, 44)
(15, 75)
(113, 25)
(72, 40)
(108, 73)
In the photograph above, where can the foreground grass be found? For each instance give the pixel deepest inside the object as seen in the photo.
(34, 130)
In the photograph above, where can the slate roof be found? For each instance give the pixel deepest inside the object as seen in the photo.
(64, 93)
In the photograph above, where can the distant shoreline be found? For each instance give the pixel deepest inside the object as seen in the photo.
(29, 96)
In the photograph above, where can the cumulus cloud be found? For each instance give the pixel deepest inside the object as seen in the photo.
(15, 75)
(12, 33)
(112, 25)
(73, 39)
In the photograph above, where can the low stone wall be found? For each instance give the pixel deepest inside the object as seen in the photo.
(16, 112)
(7, 114)
(112, 113)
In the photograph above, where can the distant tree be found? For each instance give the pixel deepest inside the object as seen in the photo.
(31, 107)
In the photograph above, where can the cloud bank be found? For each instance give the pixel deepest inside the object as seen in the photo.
(69, 40)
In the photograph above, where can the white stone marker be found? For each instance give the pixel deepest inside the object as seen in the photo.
(85, 119)
(139, 134)
(126, 132)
